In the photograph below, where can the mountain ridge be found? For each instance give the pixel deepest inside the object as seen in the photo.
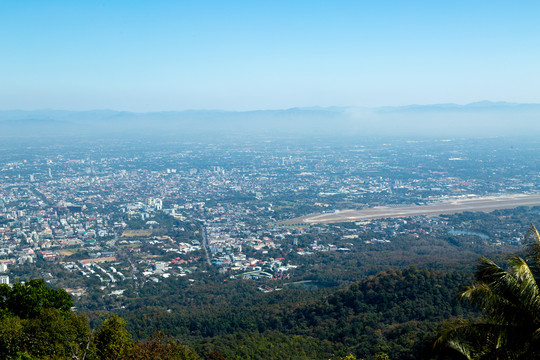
(484, 118)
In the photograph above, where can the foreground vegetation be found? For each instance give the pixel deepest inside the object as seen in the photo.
(393, 312)
(36, 323)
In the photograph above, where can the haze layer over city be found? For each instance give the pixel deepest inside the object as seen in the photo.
(235, 170)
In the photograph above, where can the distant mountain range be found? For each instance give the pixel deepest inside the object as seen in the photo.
(476, 119)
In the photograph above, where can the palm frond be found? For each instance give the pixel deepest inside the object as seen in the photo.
(510, 302)
(533, 234)
(528, 291)
(510, 297)
(532, 240)
(496, 289)
(472, 340)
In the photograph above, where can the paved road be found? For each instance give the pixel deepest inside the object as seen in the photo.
(205, 243)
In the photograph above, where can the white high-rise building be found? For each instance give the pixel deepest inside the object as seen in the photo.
(158, 204)
(4, 279)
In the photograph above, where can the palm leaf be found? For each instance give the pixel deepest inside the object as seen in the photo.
(510, 302)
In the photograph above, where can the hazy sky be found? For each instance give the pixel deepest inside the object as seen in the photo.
(259, 54)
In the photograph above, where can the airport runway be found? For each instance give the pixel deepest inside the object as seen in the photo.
(450, 206)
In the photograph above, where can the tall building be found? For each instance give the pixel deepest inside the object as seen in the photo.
(4, 279)
(158, 204)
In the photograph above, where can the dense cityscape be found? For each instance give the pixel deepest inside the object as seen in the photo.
(114, 213)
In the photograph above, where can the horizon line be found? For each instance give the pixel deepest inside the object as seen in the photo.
(309, 107)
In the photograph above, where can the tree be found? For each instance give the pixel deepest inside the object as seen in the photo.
(29, 299)
(161, 347)
(112, 340)
(215, 355)
(348, 357)
(11, 335)
(51, 334)
(510, 303)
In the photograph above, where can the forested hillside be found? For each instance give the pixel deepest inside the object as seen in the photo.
(393, 312)
(396, 312)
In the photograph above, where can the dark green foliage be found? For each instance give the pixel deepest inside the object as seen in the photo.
(36, 324)
(394, 312)
(11, 336)
(270, 345)
(215, 355)
(112, 340)
(391, 312)
(161, 347)
(50, 334)
(29, 299)
(210, 309)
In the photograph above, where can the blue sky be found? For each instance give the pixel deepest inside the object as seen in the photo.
(244, 55)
